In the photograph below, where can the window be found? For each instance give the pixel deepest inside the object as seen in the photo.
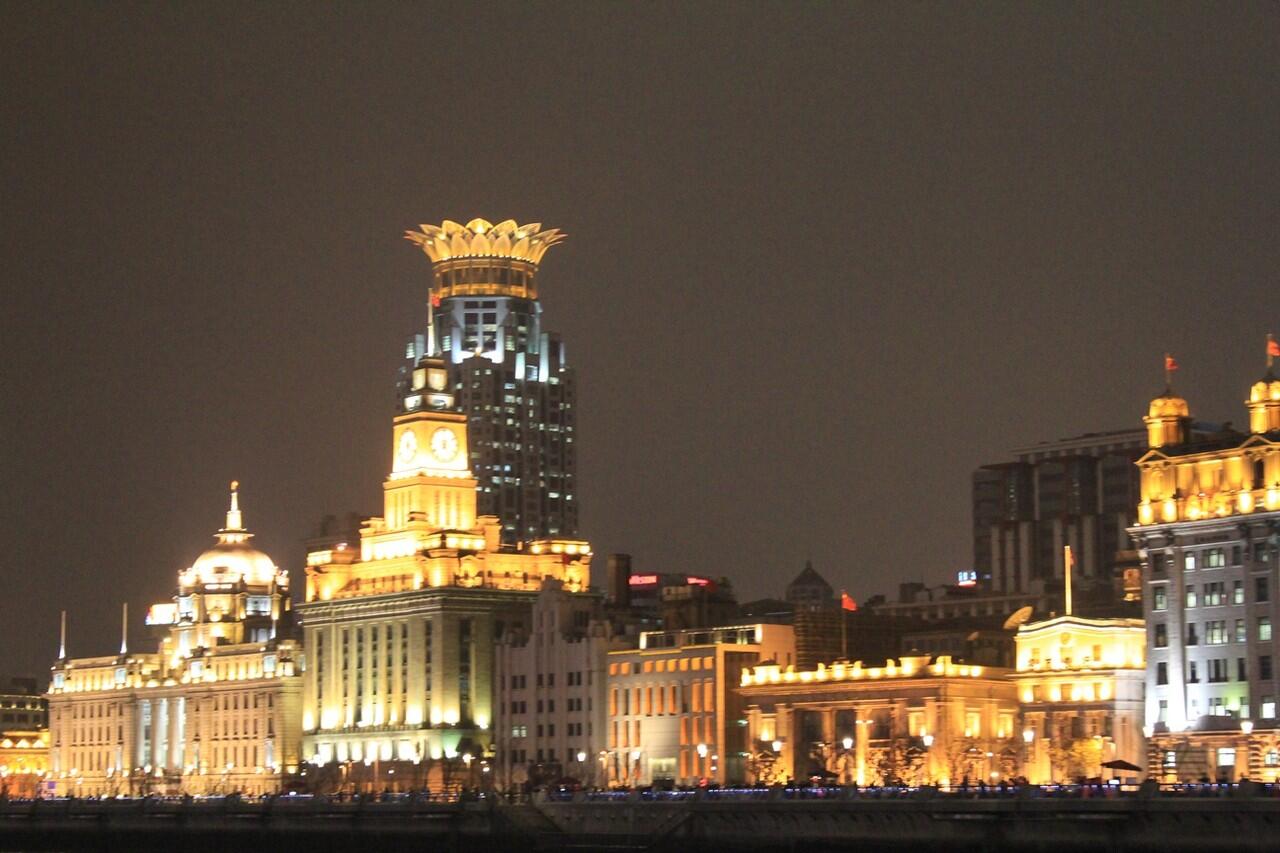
(1242, 671)
(1237, 592)
(1271, 759)
(1214, 594)
(1217, 707)
(1226, 756)
(1217, 670)
(1215, 558)
(1241, 634)
(1161, 637)
(1169, 759)
(1193, 638)
(1162, 673)
(1264, 667)
(1264, 628)
(1189, 562)
(1162, 711)
(1193, 677)
(1157, 564)
(1260, 590)
(1159, 598)
(1215, 632)
(1191, 596)
(1267, 710)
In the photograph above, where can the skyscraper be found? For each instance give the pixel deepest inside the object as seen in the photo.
(509, 376)
(1077, 491)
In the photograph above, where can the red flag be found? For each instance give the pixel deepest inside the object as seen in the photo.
(1273, 347)
(435, 300)
(847, 602)
(1170, 363)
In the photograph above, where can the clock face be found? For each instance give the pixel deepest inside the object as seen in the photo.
(408, 449)
(444, 444)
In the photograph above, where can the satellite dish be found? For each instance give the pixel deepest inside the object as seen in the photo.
(1019, 617)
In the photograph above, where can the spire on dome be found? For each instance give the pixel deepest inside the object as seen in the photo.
(62, 638)
(234, 533)
(234, 521)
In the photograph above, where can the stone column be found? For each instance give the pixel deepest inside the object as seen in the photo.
(861, 736)
(140, 739)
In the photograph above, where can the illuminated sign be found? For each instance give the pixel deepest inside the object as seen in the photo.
(642, 580)
(693, 581)
(968, 577)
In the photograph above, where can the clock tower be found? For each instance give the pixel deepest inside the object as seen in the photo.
(430, 483)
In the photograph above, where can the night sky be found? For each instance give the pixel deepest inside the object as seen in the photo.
(823, 261)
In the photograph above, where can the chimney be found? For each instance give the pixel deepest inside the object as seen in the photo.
(619, 571)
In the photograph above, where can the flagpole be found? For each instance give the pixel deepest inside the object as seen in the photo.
(844, 631)
(1066, 570)
(1271, 350)
(1168, 374)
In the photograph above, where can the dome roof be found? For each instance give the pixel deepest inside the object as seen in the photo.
(233, 559)
(1167, 406)
(1266, 388)
(233, 562)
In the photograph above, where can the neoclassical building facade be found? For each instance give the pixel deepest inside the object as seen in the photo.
(214, 709)
(1209, 532)
(401, 625)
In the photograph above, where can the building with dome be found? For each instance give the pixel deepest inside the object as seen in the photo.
(1208, 530)
(401, 625)
(215, 708)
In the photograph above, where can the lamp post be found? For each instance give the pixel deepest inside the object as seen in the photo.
(927, 740)
(635, 765)
(1028, 741)
(846, 772)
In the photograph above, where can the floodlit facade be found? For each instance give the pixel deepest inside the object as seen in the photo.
(215, 709)
(1081, 687)
(674, 709)
(510, 376)
(24, 739)
(551, 683)
(1207, 521)
(910, 721)
(402, 623)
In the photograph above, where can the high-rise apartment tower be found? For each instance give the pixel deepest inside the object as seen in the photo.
(509, 376)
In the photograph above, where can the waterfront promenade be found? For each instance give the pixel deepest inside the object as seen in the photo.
(1207, 818)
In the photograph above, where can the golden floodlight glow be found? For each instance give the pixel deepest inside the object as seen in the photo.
(481, 239)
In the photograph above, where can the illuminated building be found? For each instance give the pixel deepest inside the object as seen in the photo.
(909, 721)
(1207, 522)
(215, 709)
(551, 683)
(401, 624)
(24, 739)
(673, 706)
(511, 378)
(1080, 682)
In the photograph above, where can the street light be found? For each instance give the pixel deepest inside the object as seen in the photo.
(847, 742)
(702, 750)
(777, 746)
(1246, 726)
(928, 740)
(1028, 735)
